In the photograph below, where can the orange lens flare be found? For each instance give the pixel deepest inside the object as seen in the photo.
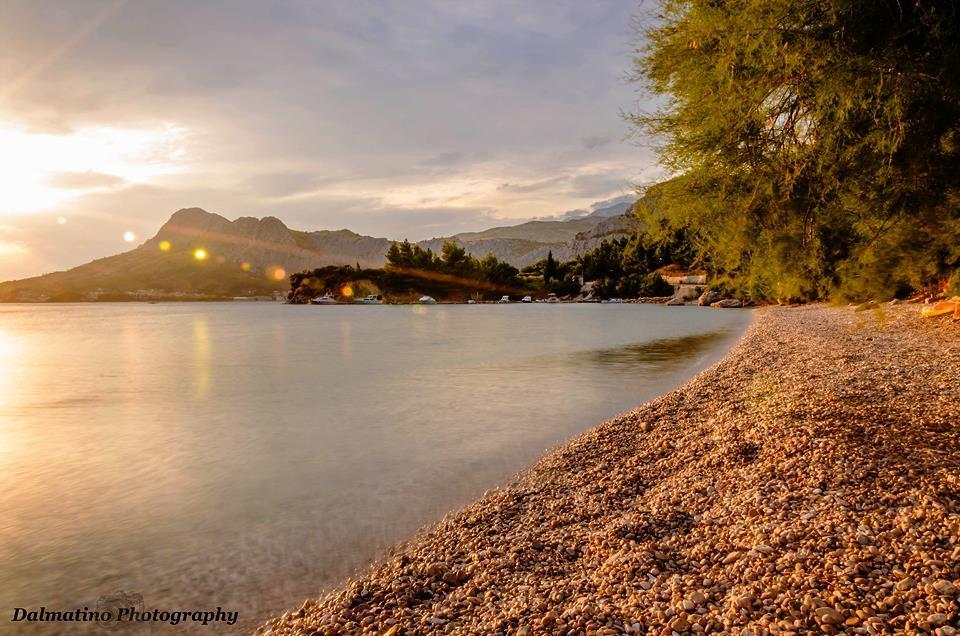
(200, 254)
(347, 291)
(245, 267)
(279, 273)
(165, 246)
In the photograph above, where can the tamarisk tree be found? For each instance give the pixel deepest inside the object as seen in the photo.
(815, 143)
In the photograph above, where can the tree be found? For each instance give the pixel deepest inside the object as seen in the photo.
(550, 269)
(816, 143)
(393, 255)
(454, 257)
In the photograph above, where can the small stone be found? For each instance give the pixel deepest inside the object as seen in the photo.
(744, 601)
(937, 619)
(698, 597)
(679, 624)
(828, 615)
(906, 584)
(730, 558)
(945, 587)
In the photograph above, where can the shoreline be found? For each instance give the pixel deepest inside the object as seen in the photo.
(810, 480)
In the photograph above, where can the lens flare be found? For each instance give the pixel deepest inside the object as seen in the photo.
(279, 273)
(129, 237)
(165, 246)
(245, 267)
(61, 220)
(199, 253)
(347, 291)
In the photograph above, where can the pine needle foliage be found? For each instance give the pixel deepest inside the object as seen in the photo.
(815, 143)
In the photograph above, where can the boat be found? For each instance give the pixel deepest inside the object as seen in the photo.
(552, 298)
(427, 300)
(941, 308)
(372, 299)
(504, 300)
(471, 302)
(526, 299)
(326, 299)
(612, 301)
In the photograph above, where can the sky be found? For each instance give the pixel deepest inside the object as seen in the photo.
(404, 119)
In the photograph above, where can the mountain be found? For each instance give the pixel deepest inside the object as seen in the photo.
(527, 243)
(251, 257)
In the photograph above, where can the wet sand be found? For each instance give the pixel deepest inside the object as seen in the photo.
(809, 482)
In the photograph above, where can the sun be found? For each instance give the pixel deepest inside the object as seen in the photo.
(39, 171)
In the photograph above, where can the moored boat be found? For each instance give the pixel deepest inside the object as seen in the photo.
(427, 300)
(372, 299)
(326, 299)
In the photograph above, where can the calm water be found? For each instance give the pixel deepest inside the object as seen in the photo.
(248, 455)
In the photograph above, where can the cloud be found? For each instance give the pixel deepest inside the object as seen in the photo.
(387, 118)
(594, 142)
(84, 180)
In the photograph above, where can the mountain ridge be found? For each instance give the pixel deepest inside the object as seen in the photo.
(251, 256)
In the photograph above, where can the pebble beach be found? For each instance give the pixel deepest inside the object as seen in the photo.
(807, 483)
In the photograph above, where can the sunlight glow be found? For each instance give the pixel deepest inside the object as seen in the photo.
(11, 249)
(279, 273)
(347, 291)
(200, 254)
(61, 220)
(40, 170)
(129, 237)
(165, 246)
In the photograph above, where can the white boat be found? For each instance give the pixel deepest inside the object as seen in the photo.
(504, 300)
(526, 299)
(326, 299)
(552, 298)
(427, 300)
(372, 299)
(613, 301)
(471, 302)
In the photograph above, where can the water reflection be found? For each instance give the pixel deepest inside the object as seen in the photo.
(201, 357)
(317, 436)
(656, 352)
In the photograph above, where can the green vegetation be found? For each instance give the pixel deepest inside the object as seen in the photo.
(624, 268)
(412, 271)
(816, 144)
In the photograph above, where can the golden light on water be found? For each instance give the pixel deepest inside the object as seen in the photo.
(199, 253)
(165, 246)
(129, 236)
(347, 291)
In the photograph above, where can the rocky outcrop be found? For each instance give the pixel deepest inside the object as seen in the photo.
(708, 298)
(728, 303)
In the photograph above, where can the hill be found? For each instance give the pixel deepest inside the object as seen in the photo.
(253, 257)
